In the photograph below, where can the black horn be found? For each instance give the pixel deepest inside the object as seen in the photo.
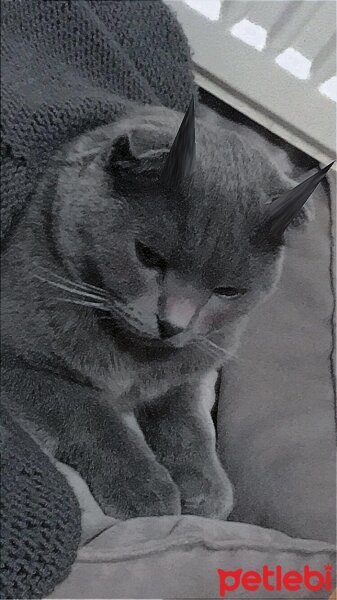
(282, 211)
(181, 159)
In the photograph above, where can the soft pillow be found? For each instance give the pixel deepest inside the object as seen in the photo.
(276, 423)
(179, 557)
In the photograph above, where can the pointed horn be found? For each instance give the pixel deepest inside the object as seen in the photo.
(181, 159)
(282, 211)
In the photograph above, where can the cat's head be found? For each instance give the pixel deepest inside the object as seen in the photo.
(184, 243)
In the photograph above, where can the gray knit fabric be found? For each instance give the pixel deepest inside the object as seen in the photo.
(66, 66)
(40, 518)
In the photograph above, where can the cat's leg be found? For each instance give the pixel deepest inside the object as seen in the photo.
(119, 467)
(180, 430)
(103, 446)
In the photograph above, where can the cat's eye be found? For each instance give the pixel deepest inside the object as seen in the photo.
(229, 292)
(149, 258)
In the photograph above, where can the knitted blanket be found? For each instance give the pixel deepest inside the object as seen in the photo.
(70, 65)
(40, 518)
(67, 66)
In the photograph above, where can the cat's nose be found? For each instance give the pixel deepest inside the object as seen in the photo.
(167, 330)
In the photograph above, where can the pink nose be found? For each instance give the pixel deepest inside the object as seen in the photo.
(179, 312)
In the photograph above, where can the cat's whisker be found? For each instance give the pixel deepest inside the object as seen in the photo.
(121, 311)
(210, 351)
(69, 289)
(136, 325)
(118, 303)
(132, 325)
(88, 304)
(118, 306)
(219, 349)
(214, 350)
(80, 285)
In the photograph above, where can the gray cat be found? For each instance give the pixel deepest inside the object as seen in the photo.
(126, 285)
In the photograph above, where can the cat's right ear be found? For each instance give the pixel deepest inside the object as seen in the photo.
(282, 211)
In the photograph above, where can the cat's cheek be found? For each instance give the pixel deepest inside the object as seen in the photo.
(212, 321)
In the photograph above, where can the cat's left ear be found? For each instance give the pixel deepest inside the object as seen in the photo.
(121, 156)
(128, 155)
(282, 211)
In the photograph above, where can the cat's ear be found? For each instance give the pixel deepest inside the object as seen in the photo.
(121, 156)
(282, 211)
(181, 159)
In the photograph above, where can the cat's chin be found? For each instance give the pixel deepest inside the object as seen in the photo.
(164, 345)
(144, 347)
(131, 341)
(175, 343)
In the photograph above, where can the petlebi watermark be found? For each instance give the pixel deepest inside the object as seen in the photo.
(275, 579)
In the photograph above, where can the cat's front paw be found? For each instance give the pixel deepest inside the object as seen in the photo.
(209, 496)
(143, 495)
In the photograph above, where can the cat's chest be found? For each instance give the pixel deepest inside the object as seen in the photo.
(133, 382)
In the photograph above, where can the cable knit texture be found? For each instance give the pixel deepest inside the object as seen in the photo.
(66, 66)
(69, 66)
(40, 526)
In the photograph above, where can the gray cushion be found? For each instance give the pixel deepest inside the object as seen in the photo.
(276, 410)
(177, 557)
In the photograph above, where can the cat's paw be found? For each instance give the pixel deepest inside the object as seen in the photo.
(207, 497)
(144, 495)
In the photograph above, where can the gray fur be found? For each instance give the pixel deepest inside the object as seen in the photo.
(94, 370)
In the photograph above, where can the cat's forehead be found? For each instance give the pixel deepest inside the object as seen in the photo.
(216, 210)
(201, 230)
(228, 190)
(215, 227)
(228, 194)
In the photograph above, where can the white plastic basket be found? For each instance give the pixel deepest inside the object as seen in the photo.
(274, 61)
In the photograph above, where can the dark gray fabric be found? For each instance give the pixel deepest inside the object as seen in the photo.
(276, 418)
(67, 66)
(40, 518)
